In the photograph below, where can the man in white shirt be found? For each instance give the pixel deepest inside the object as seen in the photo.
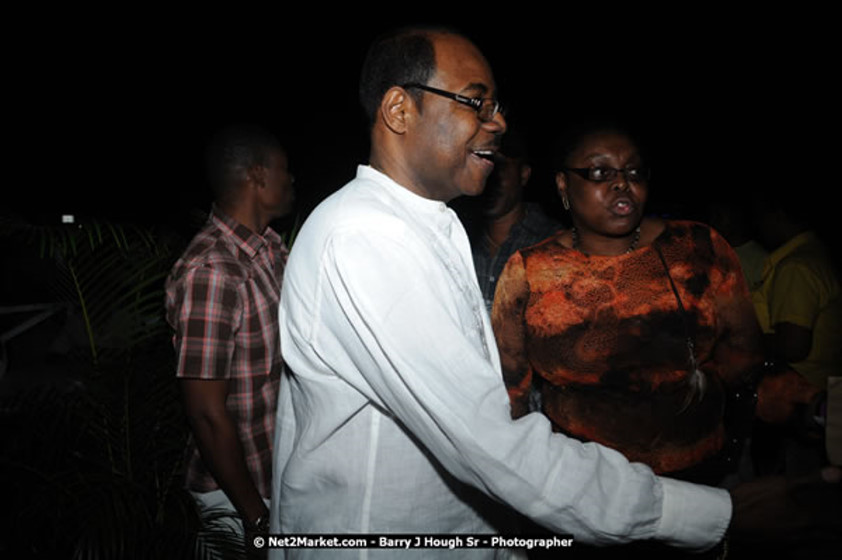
(394, 418)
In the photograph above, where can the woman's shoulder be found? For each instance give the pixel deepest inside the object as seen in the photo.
(688, 237)
(693, 231)
(560, 241)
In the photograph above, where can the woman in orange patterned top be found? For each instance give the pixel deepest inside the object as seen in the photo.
(632, 329)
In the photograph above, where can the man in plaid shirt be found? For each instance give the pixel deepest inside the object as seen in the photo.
(222, 301)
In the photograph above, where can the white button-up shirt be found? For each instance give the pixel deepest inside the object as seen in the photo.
(394, 413)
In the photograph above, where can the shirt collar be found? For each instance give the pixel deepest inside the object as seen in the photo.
(245, 239)
(785, 250)
(406, 196)
(789, 247)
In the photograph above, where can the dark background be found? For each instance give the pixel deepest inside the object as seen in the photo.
(113, 115)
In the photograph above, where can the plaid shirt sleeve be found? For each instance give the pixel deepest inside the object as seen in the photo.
(206, 321)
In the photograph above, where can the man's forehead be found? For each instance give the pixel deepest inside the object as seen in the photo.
(460, 65)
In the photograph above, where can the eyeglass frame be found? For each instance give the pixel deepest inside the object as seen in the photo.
(474, 103)
(585, 173)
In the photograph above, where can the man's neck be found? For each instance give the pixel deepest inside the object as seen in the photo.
(498, 229)
(399, 170)
(249, 217)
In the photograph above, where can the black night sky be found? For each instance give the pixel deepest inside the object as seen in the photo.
(114, 120)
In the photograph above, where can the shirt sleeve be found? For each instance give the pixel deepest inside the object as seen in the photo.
(205, 324)
(414, 358)
(796, 296)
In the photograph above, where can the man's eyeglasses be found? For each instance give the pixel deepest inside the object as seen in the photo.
(486, 107)
(601, 174)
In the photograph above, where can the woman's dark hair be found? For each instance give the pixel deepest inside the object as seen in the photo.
(572, 137)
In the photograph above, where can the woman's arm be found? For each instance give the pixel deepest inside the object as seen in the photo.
(509, 324)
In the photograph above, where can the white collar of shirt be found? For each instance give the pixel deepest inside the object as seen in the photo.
(436, 211)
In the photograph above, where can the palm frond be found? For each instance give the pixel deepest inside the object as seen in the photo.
(98, 469)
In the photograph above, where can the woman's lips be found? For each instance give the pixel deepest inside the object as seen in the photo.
(623, 207)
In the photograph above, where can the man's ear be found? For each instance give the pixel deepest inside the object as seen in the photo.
(256, 175)
(395, 107)
(525, 174)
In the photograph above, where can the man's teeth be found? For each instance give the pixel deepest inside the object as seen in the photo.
(485, 154)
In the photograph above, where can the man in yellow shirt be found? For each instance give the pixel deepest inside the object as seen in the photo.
(799, 305)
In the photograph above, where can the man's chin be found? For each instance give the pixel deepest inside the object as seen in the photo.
(473, 189)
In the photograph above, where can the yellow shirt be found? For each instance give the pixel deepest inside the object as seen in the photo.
(801, 287)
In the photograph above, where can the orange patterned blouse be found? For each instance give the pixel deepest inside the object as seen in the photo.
(604, 342)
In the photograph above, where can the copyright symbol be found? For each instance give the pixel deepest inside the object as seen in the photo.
(259, 542)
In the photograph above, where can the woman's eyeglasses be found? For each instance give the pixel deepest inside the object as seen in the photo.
(602, 174)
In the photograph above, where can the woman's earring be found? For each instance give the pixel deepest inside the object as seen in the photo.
(565, 202)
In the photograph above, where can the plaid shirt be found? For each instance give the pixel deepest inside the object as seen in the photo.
(222, 302)
(534, 227)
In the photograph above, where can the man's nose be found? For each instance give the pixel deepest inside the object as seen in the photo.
(497, 124)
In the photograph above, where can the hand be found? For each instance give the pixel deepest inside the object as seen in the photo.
(788, 509)
(256, 533)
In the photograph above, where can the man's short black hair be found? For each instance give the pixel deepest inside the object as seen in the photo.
(397, 58)
(232, 152)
